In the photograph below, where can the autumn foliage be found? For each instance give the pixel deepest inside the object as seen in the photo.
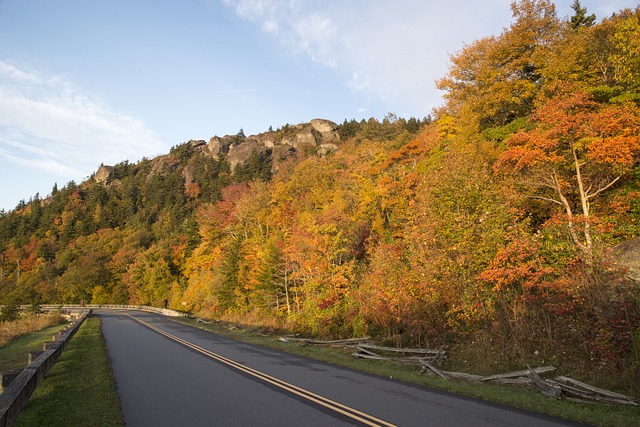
(489, 228)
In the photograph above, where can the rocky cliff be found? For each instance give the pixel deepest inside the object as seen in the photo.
(318, 137)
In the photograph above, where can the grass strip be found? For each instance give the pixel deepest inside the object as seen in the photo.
(79, 389)
(14, 354)
(514, 396)
(26, 325)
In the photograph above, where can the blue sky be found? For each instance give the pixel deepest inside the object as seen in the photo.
(90, 82)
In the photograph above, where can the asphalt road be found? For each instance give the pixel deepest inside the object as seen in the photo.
(168, 374)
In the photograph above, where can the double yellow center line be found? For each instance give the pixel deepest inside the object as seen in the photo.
(354, 414)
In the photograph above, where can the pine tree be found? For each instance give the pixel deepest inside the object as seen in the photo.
(580, 18)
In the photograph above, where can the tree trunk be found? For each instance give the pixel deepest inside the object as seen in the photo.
(584, 248)
(587, 246)
(286, 292)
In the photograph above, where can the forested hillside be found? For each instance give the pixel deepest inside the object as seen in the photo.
(489, 227)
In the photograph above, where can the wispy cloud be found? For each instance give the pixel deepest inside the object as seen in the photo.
(393, 53)
(49, 125)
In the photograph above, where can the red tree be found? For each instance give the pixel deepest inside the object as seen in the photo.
(576, 150)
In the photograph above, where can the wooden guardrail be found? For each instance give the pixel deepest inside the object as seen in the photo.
(16, 395)
(76, 307)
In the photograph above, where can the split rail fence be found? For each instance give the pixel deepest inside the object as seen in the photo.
(562, 387)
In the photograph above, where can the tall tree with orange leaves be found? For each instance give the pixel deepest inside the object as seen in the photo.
(496, 79)
(576, 150)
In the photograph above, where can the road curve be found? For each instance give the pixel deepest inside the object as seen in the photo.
(169, 374)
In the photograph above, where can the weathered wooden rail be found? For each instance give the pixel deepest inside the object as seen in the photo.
(565, 388)
(76, 307)
(16, 395)
(561, 387)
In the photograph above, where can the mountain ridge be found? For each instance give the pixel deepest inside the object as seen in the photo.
(319, 136)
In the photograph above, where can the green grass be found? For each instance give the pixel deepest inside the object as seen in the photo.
(14, 355)
(515, 396)
(79, 389)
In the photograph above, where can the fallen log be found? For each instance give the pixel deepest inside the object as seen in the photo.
(292, 339)
(543, 387)
(367, 352)
(513, 381)
(435, 370)
(403, 350)
(561, 388)
(595, 389)
(438, 357)
(591, 393)
(369, 356)
(363, 353)
(345, 342)
(515, 374)
(463, 376)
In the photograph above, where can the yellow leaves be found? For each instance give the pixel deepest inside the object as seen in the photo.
(626, 58)
(496, 79)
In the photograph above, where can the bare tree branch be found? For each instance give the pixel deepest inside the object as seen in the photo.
(600, 190)
(548, 199)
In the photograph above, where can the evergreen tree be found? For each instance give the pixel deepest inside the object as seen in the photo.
(231, 287)
(580, 18)
(348, 129)
(10, 312)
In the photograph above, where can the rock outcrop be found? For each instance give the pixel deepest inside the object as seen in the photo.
(328, 130)
(241, 152)
(319, 137)
(217, 146)
(628, 254)
(102, 174)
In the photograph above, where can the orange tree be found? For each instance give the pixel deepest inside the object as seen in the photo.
(496, 79)
(576, 150)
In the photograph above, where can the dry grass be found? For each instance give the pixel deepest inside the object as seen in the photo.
(254, 320)
(27, 325)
